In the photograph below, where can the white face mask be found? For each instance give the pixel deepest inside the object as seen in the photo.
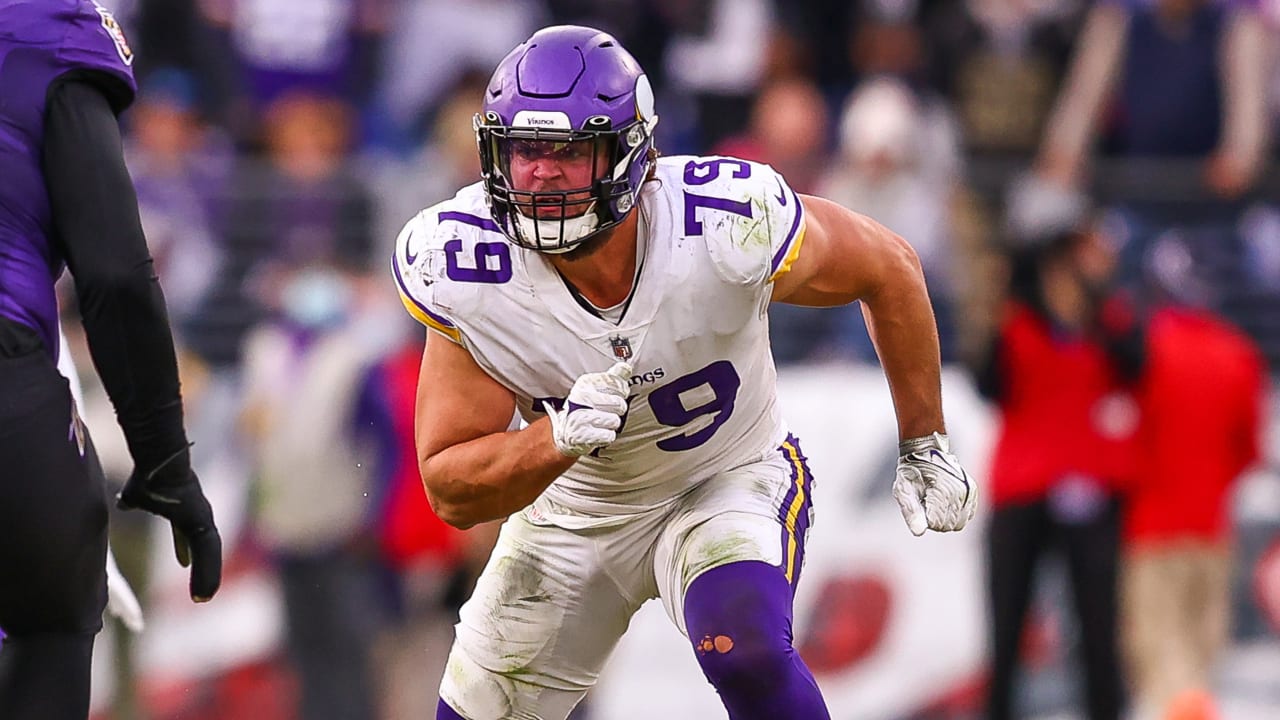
(316, 298)
(546, 233)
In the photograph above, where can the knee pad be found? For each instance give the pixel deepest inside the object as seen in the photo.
(739, 621)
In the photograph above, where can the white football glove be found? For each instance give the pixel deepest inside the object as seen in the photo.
(931, 488)
(121, 601)
(593, 411)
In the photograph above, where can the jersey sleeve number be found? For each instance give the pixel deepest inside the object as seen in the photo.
(702, 172)
(482, 270)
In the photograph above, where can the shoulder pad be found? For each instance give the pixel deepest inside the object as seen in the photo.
(444, 256)
(752, 222)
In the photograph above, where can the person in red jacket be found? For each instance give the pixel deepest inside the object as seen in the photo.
(1060, 371)
(1201, 398)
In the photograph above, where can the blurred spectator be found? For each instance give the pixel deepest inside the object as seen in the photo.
(1270, 11)
(312, 464)
(168, 35)
(1166, 78)
(434, 565)
(892, 165)
(1201, 398)
(814, 38)
(431, 44)
(788, 130)
(999, 62)
(888, 42)
(304, 205)
(446, 161)
(318, 209)
(180, 168)
(408, 530)
(716, 56)
(1060, 370)
(327, 47)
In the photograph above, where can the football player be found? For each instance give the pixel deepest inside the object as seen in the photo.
(618, 301)
(67, 201)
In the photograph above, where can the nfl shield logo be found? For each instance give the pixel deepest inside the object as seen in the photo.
(621, 347)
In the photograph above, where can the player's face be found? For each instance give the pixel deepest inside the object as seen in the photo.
(538, 166)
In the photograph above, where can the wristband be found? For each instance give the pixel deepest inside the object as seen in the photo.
(933, 441)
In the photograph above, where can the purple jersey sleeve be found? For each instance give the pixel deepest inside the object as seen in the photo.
(94, 40)
(58, 36)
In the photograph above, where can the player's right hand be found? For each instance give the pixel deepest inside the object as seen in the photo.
(593, 411)
(932, 490)
(173, 492)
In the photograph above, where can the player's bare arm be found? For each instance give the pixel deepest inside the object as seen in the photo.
(475, 470)
(846, 257)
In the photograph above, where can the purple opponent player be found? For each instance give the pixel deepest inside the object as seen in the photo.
(618, 301)
(66, 200)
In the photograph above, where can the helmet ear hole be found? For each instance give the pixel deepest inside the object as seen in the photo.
(635, 135)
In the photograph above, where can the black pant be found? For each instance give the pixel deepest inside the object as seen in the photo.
(333, 616)
(1017, 537)
(53, 542)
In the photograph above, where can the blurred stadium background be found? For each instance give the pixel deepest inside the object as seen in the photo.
(279, 145)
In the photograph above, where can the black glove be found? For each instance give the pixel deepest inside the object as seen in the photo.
(172, 491)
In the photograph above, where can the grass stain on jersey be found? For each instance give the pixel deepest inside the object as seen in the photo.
(522, 619)
(484, 691)
(753, 231)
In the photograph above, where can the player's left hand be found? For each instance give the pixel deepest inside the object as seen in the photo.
(931, 488)
(173, 492)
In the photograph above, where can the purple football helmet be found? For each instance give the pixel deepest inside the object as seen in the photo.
(568, 92)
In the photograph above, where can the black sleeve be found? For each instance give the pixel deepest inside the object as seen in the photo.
(98, 231)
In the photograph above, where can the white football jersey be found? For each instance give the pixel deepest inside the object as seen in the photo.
(703, 395)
